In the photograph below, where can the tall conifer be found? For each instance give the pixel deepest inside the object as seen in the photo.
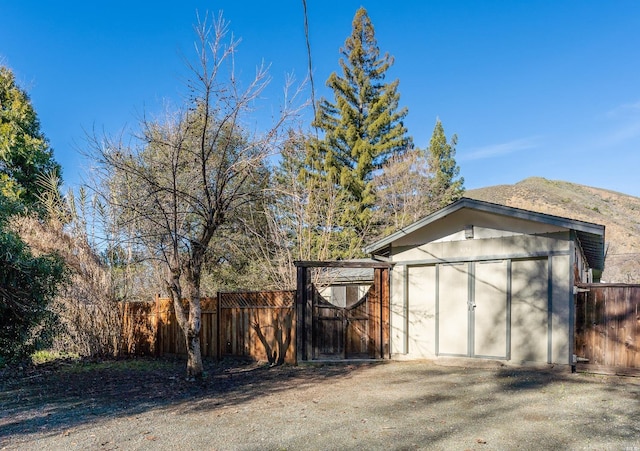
(445, 187)
(25, 155)
(361, 129)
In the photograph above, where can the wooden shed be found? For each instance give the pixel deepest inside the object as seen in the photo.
(481, 280)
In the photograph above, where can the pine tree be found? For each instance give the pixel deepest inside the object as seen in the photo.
(361, 129)
(445, 187)
(25, 155)
(417, 183)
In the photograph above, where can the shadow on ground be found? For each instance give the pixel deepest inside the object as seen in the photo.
(68, 394)
(413, 405)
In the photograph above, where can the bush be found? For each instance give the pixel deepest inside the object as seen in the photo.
(27, 285)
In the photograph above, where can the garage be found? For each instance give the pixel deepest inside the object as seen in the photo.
(481, 280)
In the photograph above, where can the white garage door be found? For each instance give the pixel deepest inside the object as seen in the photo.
(489, 315)
(453, 309)
(473, 309)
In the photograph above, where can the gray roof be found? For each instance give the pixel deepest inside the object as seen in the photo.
(347, 276)
(356, 271)
(590, 235)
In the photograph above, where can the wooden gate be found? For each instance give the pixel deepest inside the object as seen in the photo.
(341, 332)
(354, 331)
(607, 335)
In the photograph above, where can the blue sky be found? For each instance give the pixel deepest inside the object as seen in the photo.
(545, 88)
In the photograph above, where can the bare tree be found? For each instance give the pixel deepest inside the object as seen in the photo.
(402, 191)
(189, 174)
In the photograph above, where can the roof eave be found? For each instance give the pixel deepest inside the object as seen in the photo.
(455, 206)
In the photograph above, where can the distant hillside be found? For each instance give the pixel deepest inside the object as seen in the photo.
(619, 213)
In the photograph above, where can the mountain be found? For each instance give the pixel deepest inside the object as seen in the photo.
(619, 213)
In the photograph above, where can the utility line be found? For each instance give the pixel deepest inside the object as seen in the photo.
(306, 34)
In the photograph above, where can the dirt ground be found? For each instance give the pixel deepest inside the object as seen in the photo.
(146, 404)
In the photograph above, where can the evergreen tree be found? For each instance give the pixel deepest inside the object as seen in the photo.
(417, 183)
(28, 282)
(361, 129)
(306, 210)
(445, 186)
(25, 155)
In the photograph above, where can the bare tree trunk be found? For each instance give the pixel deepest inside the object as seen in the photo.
(192, 273)
(191, 324)
(192, 336)
(190, 327)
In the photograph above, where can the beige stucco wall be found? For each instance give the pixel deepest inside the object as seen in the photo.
(398, 317)
(491, 309)
(479, 248)
(485, 225)
(562, 300)
(413, 328)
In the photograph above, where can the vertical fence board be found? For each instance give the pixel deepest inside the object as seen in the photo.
(634, 327)
(386, 312)
(375, 315)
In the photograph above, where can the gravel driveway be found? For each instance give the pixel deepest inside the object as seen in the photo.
(392, 405)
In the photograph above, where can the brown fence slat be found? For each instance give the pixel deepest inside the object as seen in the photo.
(138, 328)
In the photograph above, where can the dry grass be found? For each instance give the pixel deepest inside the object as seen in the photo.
(89, 315)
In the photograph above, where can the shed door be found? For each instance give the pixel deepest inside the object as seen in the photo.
(453, 309)
(473, 309)
(489, 314)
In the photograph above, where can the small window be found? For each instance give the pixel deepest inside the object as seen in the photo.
(339, 295)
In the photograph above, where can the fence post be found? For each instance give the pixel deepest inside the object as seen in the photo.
(386, 313)
(218, 322)
(156, 334)
(300, 309)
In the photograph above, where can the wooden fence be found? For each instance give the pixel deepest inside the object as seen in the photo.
(139, 325)
(262, 326)
(256, 325)
(608, 328)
